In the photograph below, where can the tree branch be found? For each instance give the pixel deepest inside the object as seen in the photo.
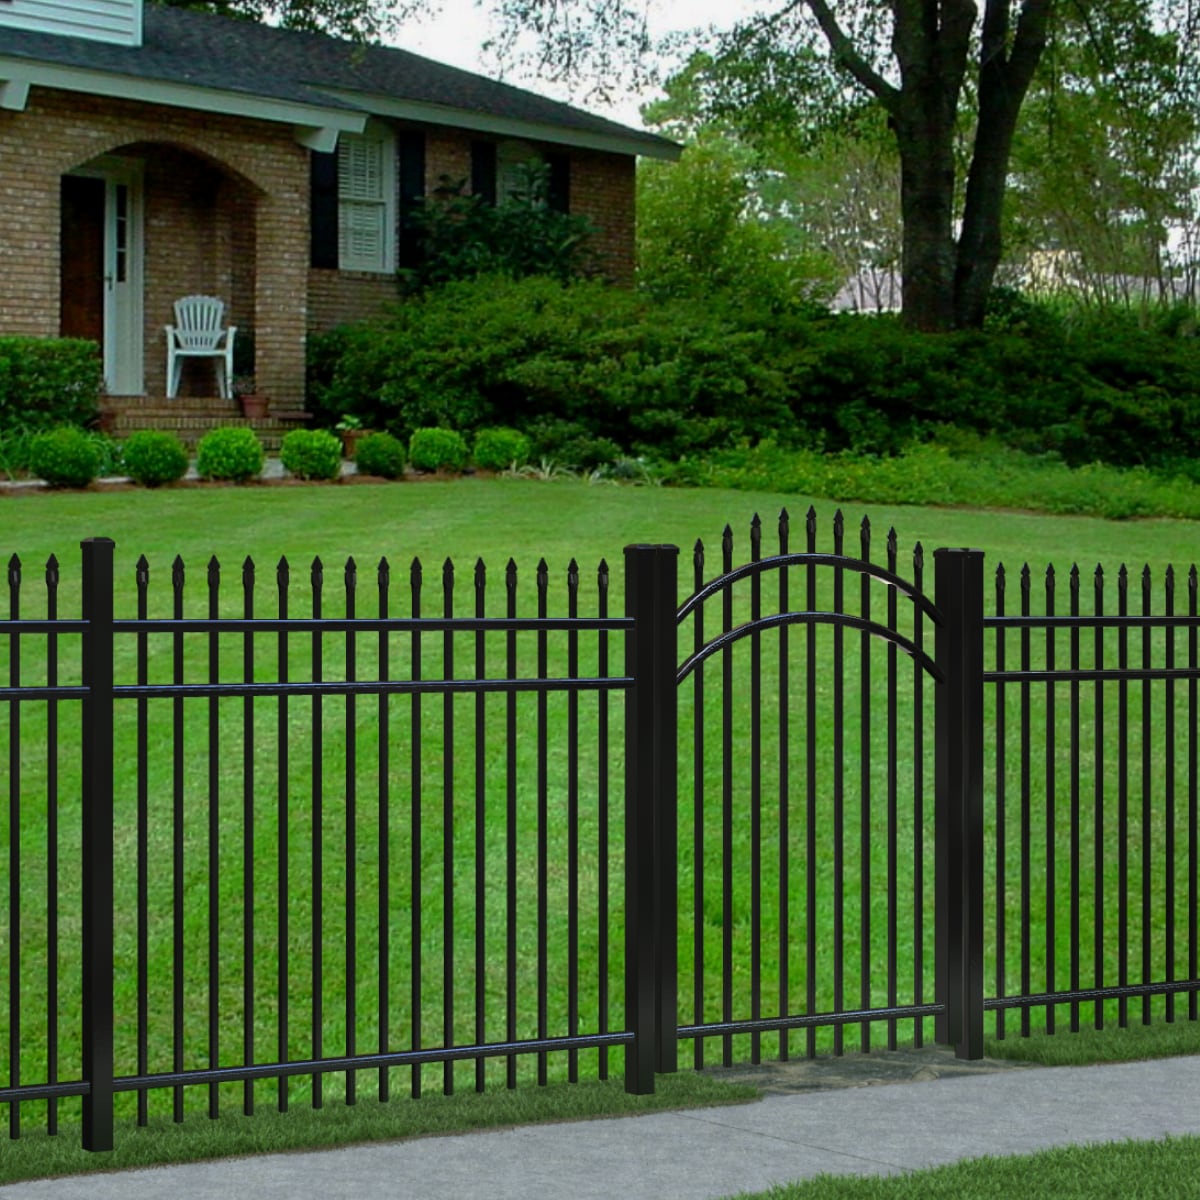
(1029, 43)
(846, 54)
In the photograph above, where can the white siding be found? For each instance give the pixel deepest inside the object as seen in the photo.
(117, 21)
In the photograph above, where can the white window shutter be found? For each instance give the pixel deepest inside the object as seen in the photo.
(360, 169)
(366, 201)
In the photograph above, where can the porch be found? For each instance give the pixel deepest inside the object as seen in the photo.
(191, 417)
(148, 222)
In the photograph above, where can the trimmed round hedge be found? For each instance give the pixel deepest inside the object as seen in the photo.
(437, 450)
(65, 457)
(498, 448)
(380, 454)
(231, 453)
(312, 454)
(153, 457)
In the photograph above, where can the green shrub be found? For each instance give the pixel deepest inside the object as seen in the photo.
(312, 454)
(153, 457)
(569, 444)
(500, 447)
(66, 457)
(463, 235)
(437, 450)
(380, 454)
(46, 382)
(230, 453)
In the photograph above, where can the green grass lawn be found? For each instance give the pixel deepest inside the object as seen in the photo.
(494, 519)
(1145, 1170)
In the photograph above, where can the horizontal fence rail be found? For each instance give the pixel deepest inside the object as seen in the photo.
(288, 836)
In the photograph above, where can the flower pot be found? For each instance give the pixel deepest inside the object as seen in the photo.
(350, 440)
(254, 406)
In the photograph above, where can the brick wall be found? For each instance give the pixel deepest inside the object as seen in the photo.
(602, 189)
(337, 297)
(226, 212)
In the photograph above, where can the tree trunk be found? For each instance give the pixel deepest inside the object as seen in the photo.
(927, 210)
(1004, 77)
(930, 41)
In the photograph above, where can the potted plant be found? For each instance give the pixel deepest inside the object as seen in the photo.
(351, 430)
(254, 403)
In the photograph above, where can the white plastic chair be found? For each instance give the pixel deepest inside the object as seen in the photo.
(197, 333)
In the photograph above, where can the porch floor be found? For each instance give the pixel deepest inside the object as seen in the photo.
(191, 417)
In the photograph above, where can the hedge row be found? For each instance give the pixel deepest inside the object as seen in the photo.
(68, 456)
(589, 372)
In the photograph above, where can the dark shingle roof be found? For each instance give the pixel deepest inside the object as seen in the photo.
(210, 51)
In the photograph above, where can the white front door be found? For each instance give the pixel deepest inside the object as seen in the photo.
(122, 279)
(123, 349)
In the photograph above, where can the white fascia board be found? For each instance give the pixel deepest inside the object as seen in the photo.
(311, 122)
(460, 118)
(14, 93)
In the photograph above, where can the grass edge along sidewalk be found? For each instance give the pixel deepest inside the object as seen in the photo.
(1127, 1170)
(1145, 1170)
(37, 1156)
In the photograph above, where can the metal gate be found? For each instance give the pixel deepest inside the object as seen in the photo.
(808, 864)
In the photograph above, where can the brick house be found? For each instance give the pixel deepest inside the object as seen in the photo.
(149, 153)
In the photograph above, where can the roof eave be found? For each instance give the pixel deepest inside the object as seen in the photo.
(421, 112)
(315, 126)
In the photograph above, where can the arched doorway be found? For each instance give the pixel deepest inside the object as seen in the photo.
(101, 277)
(143, 225)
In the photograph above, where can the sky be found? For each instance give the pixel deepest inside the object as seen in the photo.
(456, 35)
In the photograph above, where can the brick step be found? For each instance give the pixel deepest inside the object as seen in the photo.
(192, 419)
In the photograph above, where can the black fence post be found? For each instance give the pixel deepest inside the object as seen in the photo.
(98, 843)
(958, 807)
(651, 982)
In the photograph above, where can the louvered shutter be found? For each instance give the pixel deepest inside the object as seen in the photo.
(362, 228)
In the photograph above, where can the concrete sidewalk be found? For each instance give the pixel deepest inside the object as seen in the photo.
(707, 1153)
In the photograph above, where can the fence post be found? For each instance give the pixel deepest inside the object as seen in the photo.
(958, 805)
(651, 983)
(98, 843)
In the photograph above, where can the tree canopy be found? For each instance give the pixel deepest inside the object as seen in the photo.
(950, 80)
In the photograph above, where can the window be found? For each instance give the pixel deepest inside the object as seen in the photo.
(500, 171)
(512, 162)
(366, 178)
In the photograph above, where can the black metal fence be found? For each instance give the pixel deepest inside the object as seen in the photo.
(252, 852)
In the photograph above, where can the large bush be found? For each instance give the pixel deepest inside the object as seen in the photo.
(501, 352)
(589, 372)
(48, 381)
